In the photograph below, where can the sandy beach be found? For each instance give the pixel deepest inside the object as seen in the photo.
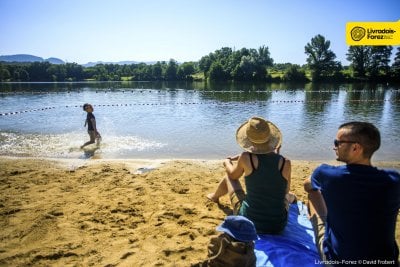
(114, 212)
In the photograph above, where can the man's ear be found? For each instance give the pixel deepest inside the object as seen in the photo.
(358, 147)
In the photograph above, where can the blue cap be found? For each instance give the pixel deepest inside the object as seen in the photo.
(239, 227)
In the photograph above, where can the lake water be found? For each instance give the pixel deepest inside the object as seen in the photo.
(188, 120)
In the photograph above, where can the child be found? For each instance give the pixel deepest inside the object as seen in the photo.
(91, 123)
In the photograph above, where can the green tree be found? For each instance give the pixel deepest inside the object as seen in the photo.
(157, 71)
(57, 72)
(222, 55)
(253, 64)
(74, 72)
(244, 64)
(294, 74)
(142, 72)
(125, 70)
(38, 71)
(101, 72)
(205, 64)
(148, 72)
(395, 69)
(248, 70)
(21, 75)
(359, 56)
(321, 60)
(4, 73)
(369, 61)
(89, 73)
(217, 72)
(171, 70)
(263, 57)
(185, 70)
(380, 59)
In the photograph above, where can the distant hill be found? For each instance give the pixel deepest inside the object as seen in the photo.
(54, 60)
(29, 58)
(20, 58)
(91, 64)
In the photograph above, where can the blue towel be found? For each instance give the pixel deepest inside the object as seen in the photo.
(294, 247)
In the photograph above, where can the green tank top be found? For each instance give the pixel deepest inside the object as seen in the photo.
(265, 195)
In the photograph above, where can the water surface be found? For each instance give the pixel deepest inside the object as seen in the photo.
(188, 120)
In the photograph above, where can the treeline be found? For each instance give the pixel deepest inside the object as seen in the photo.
(367, 63)
(46, 72)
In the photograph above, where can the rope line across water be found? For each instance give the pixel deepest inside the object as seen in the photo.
(200, 91)
(198, 103)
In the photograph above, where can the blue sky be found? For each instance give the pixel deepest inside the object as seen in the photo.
(98, 30)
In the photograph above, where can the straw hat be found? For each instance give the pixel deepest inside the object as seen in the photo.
(258, 136)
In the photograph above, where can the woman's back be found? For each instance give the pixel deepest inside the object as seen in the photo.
(265, 195)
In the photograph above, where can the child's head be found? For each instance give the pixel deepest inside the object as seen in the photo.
(86, 106)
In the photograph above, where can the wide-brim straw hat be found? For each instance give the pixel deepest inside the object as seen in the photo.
(258, 136)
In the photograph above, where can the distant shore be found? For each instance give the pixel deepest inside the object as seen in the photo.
(102, 212)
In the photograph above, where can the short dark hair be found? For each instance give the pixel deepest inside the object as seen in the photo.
(364, 133)
(85, 105)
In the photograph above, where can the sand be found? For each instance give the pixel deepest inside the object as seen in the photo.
(114, 212)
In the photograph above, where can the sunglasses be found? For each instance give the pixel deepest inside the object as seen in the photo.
(337, 143)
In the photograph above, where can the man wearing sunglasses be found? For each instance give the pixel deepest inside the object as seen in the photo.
(353, 207)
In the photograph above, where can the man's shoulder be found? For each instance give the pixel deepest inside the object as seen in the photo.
(390, 172)
(327, 167)
(393, 174)
(326, 170)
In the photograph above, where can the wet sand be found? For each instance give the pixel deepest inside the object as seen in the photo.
(114, 212)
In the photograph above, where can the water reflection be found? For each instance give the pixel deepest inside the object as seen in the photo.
(152, 85)
(235, 96)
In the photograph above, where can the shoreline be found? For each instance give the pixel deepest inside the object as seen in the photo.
(157, 162)
(102, 212)
(166, 159)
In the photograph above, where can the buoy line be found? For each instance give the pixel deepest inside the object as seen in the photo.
(201, 103)
(191, 91)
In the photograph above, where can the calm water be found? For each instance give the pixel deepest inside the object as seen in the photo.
(189, 120)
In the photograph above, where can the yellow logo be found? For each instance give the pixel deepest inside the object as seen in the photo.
(373, 33)
(357, 33)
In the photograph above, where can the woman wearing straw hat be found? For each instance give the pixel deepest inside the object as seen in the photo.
(266, 173)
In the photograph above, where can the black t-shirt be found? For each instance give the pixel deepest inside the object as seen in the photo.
(89, 118)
